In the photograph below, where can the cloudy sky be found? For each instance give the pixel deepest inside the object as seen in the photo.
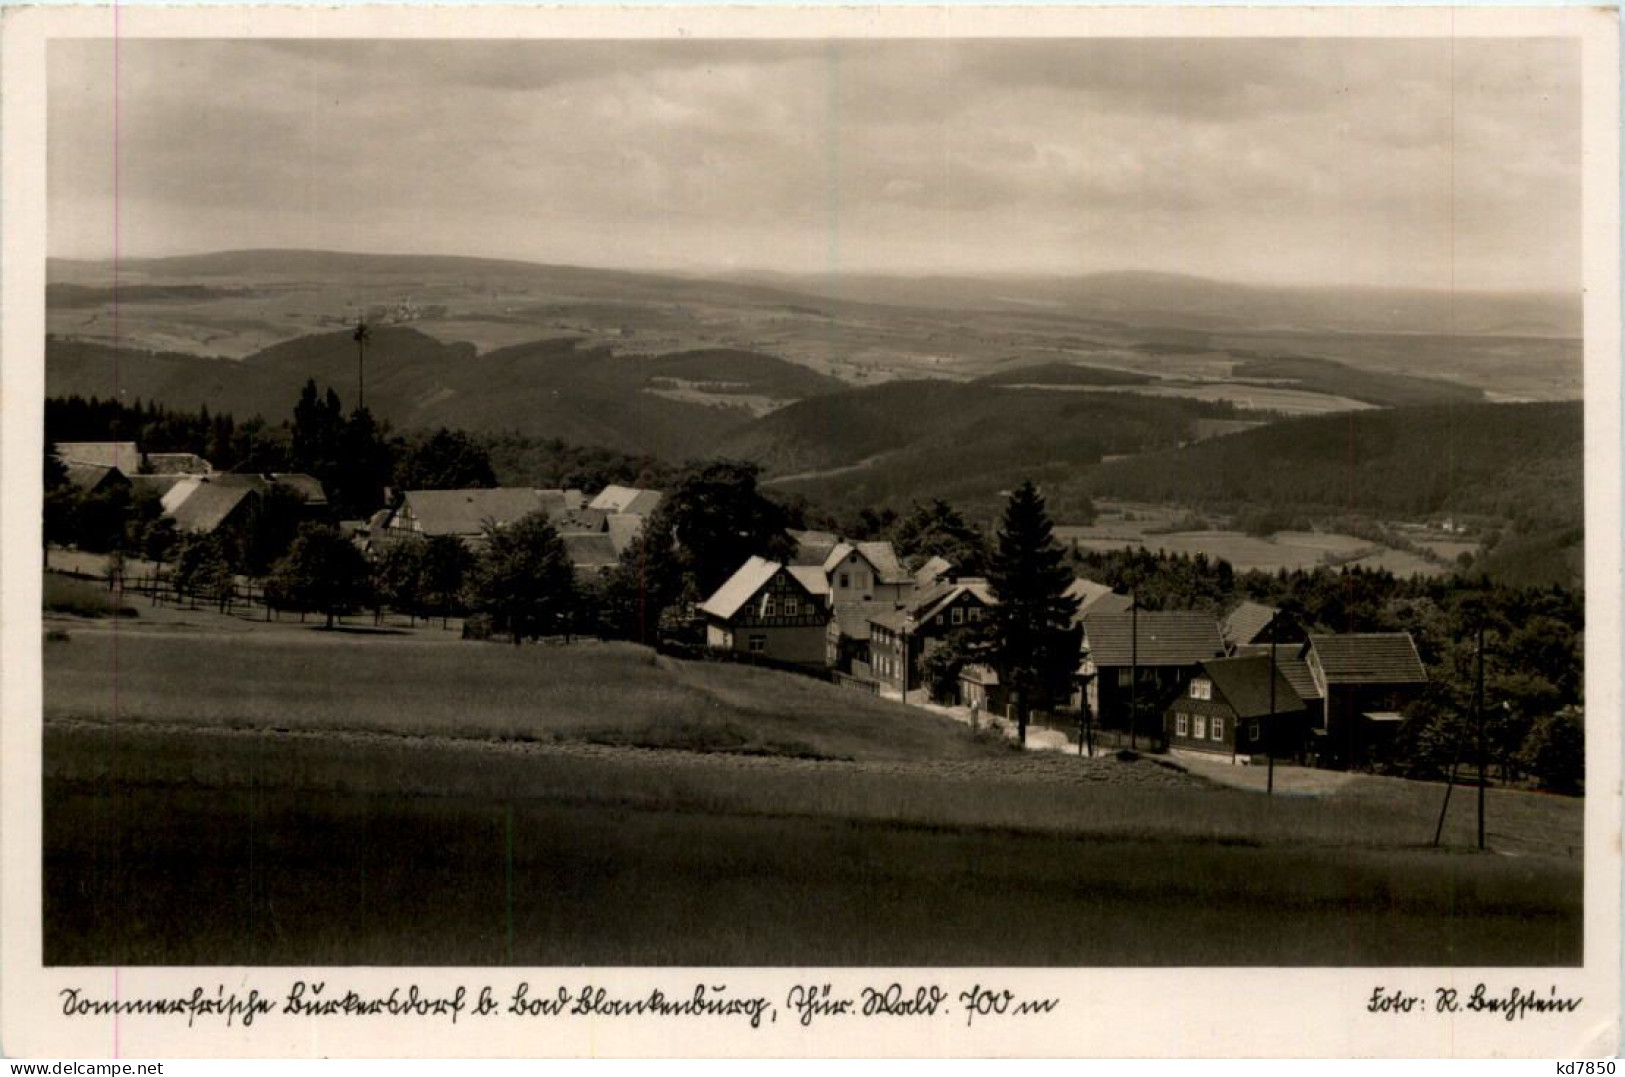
(1421, 162)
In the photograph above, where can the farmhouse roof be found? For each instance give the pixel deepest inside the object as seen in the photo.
(812, 578)
(933, 570)
(812, 547)
(1093, 597)
(205, 505)
(623, 529)
(177, 463)
(1245, 684)
(1166, 638)
(590, 549)
(1369, 658)
(751, 577)
(1246, 623)
(464, 512)
(122, 455)
(158, 484)
(944, 595)
(616, 498)
(88, 477)
(308, 487)
(880, 555)
(1290, 664)
(891, 619)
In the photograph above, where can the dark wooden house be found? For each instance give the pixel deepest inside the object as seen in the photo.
(1228, 708)
(772, 612)
(1365, 682)
(1145, 656)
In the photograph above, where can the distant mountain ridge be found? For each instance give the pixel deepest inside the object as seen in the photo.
(1129, 297)
(1145, 298)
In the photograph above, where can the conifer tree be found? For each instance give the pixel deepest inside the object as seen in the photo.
(1035, 649)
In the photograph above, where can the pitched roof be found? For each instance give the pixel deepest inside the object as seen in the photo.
(812, 578)
(1093, 597)
(1290, 664)
(931, 571)
(88, 477)
(751, 577)
(623, 529)
(1369, 658)
(1245, 684)
(616, 498)
(464, 512)
(590, 549)
(205, 505)
(177, 463)
(946, 594)
(1246, 623)
(1166, 638)
(812, 547)
(882, 557)
(120, 454)
(854, 618)
(308, 487)
(158, 484)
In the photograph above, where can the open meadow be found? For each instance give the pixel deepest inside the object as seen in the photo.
(218, 792)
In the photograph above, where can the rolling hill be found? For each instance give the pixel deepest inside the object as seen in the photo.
(546, 388)
(896, 443)
(1521, 465)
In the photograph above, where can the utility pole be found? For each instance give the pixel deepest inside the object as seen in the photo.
(1269, 726)
(1133, 671)
(1478, 713)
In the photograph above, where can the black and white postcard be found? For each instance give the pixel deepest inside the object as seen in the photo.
(819, 531)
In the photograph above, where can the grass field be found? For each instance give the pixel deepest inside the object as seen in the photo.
(288, 797)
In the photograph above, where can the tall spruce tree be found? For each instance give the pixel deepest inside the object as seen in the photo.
(1034, 650)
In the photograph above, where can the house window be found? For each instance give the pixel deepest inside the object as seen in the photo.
(1125, 677)
(1182, 725)
(758, 644)
(976, 613)
(1199, 726)
(1201, 688)
(1218, 728)
(846, 581)
(789, 607)
(770, 608)
(1253, 732)
(959, 616)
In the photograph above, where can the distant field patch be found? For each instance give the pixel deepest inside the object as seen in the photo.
(1290, 550)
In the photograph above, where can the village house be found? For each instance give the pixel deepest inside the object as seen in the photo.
(1144, 656)
(900, 640)
(95, 478)
(230, 504)
(771, 612)
(1365, 680)
(464, 514)
(865, 580)
(1228, 708)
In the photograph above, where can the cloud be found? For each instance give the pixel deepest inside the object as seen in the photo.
(1263, 159)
